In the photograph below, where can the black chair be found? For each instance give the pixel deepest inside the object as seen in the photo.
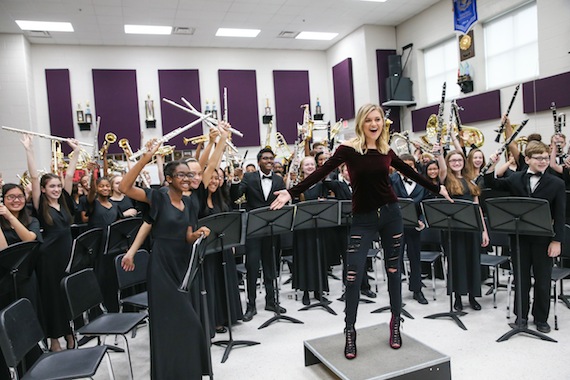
(84, 250)
(83, 294)
(432, 238)
(20, 331)
(496, 261)
(131, 280)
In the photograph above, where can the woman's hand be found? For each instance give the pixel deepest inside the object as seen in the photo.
(443, 192)
(4, 212)
(27, 142)
(283, 197)
(224, 128)
(484, 239)
(203, 230)
(152, 146)
(128, 262)
(74, 144)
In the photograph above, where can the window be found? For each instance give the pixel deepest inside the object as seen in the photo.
(441, 63)
(511, 47)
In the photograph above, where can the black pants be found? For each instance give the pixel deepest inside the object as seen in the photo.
(413, 249)
(260, 249)
(386, 221)
(533, 259)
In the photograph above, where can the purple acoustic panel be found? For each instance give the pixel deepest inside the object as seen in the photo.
(291, 92)
(343, 90)
(383, 73)
(116, 102)
(539, 94)
(480, 107)
(242, 104)
(421, 116)
(173, 85)
(59, 105)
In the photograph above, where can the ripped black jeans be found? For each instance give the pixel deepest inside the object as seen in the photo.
(387, 222)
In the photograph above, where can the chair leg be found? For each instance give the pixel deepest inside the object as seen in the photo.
(128, 352)
(109, 366)
(555, 302)
(495, 285)
(433, 278)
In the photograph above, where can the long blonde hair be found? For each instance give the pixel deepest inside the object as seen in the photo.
(359, 142)
(453, 184)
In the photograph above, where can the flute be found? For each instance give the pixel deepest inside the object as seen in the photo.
(440, 116)
(500, 151)
(502, 127)
(42, 135)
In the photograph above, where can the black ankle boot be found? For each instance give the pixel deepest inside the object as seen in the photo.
(395, 337)
(350, 343)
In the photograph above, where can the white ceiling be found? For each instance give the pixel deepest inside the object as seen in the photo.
(100, 22)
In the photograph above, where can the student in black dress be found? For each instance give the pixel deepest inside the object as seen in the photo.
(464, 245)
(125, 205)
(375, 210)
(536, 252)
(53, 207)
(178, 345)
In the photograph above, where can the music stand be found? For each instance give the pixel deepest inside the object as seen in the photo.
(520, 215)
(17, 259)
(227, 230)
(313, 215)
(264, 222)
(460, 216)
(120, 235)
(196, 262)
(410, 219)
(84, 250)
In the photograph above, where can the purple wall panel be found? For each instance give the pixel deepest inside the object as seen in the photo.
(116, 102)
(383, 73)
(539, 94)
(173, 85)
(59, 104)
(242, 106)
(291, 91)
(421, 116)
(343, 90)
(481, 107)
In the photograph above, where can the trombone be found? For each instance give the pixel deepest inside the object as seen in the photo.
(42, 135)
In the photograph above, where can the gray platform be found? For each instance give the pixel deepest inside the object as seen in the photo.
(376, 360)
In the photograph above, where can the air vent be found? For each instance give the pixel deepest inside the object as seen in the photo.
(184, 30)
(38, 34)
(288, 34)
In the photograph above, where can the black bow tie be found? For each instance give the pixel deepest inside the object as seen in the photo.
(408, 181)
(266, 177)
(537, 174)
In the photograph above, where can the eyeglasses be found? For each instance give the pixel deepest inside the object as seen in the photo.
(456, 160)
(541, 158)
(12, 197)
(183, 175)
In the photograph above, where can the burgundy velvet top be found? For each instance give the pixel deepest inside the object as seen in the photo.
(369, 177)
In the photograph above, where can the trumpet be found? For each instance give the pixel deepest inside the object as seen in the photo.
(84, 158)
(124, 144)
(42, 135)
(110, 138)
(166, 150)
(196, 140)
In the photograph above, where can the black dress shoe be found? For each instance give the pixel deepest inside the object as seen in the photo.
(342, 298)
(306, 300)
(458, 305)
(221, 330)
(419, 296)
(368, 293)
(272, 308)
(523, 324)
(542, 327)
(474, 304)
(249, 313)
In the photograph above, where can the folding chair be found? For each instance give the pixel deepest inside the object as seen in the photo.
(132, 279)
(20, 331)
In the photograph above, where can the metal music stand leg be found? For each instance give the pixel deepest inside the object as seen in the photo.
(230, 343)
(204, 296)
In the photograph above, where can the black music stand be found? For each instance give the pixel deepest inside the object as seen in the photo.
(520, 215)
(460, 216)
(195, 265)
(314, 215)
(410, 219)
(84, 250)
(227, 230)
(120, 235)
(17, 260)
(264, 222)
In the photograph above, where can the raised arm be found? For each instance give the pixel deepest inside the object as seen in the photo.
(216, 158)
(204, 156)
(127, 185)
(32, 170)
(70, 172)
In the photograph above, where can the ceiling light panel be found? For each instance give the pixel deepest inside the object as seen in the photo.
(147, 29)
(321, 36)
(49, 26)
(229, 32)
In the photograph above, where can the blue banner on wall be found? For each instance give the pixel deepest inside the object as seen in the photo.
(465, 14)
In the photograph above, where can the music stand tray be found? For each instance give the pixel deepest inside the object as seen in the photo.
(313, 215)
(120, 235)
(84, 250)
(227, 230)
(460, 216)
(17, 259)
(518, 216)
(263, 222)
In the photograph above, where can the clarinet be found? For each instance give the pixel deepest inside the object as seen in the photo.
(502, 127)
(557, 131)
(440, 117)
(500, 151)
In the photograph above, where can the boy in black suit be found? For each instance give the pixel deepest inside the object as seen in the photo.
(536, 252)
(258, 187)
(406, 188)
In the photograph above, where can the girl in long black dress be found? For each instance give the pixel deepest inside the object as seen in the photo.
(125, 205)
(178, 345)
(53, 206)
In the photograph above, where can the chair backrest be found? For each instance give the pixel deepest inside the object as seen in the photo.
(20, 331)
(121, 234)
(85, 248)
(82, 292)
(565, 254)
(138, 275)
(431, 236)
